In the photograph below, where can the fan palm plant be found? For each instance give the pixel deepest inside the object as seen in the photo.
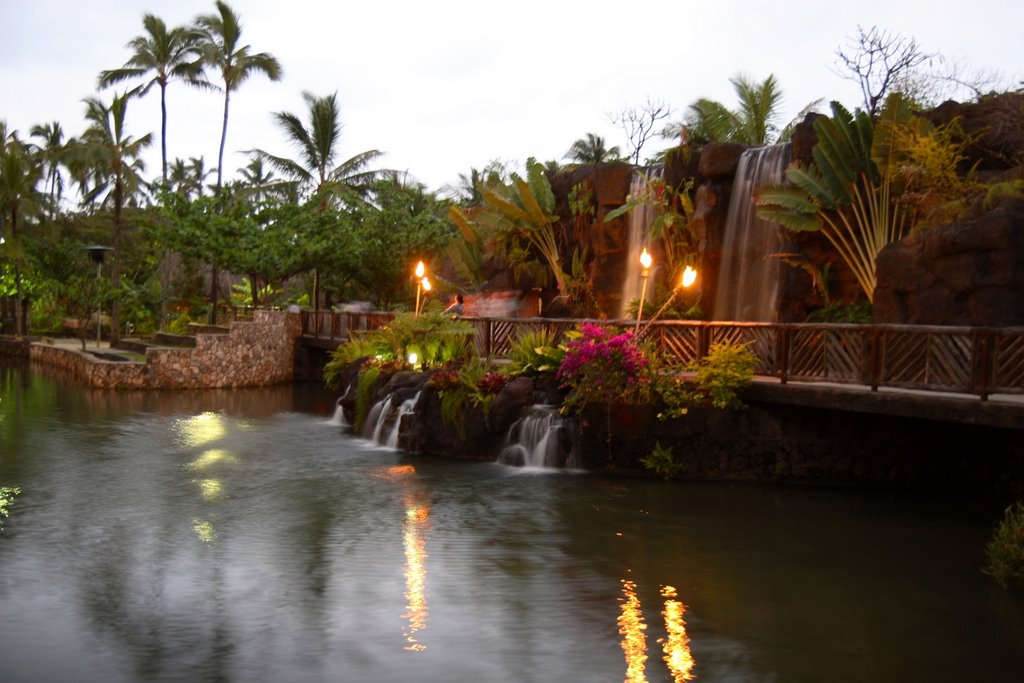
(20, 173)
(591, 150)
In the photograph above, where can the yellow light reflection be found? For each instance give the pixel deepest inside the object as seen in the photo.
(632, 627)
(201, 429)
(204, 530)
(677, 644)
(414, 537)
(212, 457)
(211, 489)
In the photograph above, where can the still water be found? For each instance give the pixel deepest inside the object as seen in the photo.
(241, 536)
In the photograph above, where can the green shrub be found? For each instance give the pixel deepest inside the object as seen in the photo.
(662, 462)
(474, 384)
(717, 381)
(1006, 549)
(366, 385)
(535, 354)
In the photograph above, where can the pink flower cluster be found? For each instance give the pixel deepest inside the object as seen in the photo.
(603, 366)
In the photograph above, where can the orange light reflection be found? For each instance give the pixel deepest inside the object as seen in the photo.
(414, 537)
(677, 644)
(632, 627)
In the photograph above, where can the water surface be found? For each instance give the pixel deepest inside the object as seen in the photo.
(242, 536)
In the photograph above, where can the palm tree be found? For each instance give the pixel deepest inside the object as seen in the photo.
(218, 47)
(20, 172)
(164, 53)
(109, 168)
(314, 169)
(52, 151)
(754, 122)
(591, 150)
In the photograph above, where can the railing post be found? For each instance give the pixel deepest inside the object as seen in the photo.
(982, 373)
(874, 359)
(782, 339)
(703, 340)
(487, 336)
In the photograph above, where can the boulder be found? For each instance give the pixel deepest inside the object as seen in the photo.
(719, 160)
(965, 273)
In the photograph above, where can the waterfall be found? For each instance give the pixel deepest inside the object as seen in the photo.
(748, 280)
(375, 419)
(339, 416)
(407, 407)
(637, 222)
(541, 438)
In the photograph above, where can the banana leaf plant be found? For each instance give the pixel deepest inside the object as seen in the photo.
(850, 192)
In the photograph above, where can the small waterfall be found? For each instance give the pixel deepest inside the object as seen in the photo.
(541, 438)
(339, 416)
(406, 408)
(748, 281)
(375, 419)
(637, 222)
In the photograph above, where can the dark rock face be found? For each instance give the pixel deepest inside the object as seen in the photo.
(719, 160)
(994, 126)
(966, 273)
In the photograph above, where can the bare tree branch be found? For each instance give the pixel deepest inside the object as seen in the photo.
(638, 123)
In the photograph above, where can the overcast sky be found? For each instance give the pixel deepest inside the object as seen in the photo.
(444, 86)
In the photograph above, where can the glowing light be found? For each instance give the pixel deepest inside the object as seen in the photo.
(210, 458)
(420, 269)
(645, 259)
(414, 538)
(632, 627)
(413, 358)
(677, 644)
(426, 284)
(689, 276)
(200, 430)
(204, 530)
(211, 489)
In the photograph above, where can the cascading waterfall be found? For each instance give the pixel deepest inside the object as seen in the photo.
(541, 438)
(338, 420)
(748, 280)
(407, 407)
(375, 419)
(637, 222)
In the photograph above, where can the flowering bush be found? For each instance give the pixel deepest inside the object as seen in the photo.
(492, 383)
(603, 367)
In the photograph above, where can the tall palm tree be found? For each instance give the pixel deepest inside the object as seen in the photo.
(314, 169)
(20, 173)
(52, 150)
(109, 166)
(218, 47)
(591, 150)
(166, 54)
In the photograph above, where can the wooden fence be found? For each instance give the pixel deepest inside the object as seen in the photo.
(970, 360)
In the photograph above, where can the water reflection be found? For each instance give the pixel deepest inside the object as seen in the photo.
(415, 532)
(676, 644)
(632, 627)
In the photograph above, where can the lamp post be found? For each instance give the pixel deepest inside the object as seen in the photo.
(645, 261)
(420, 271)
(96, 253)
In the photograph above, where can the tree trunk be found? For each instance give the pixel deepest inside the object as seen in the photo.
(115, 277)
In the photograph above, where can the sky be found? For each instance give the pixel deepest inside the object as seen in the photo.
(445, 86)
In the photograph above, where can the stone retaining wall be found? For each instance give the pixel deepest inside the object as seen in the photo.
(257, 353)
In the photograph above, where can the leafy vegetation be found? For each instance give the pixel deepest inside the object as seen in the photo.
(662, 462)
(535, 353)
(473, 384)
(1006, 549)
(716, 381)
(7, 496)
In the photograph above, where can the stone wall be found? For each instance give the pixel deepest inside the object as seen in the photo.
(257, 353)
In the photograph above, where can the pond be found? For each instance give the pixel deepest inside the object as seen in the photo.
(243, 536)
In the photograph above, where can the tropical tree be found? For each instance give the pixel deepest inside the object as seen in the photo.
(108, 164)
(849, 194)
(314, 169)
(165, 54)
(218, 45)
(52, 150)
(591, 150)
(20, 199)
(754, 122)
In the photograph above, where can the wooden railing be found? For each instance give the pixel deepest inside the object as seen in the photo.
(970, 360)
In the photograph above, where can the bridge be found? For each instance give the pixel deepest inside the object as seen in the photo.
(951, 361)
